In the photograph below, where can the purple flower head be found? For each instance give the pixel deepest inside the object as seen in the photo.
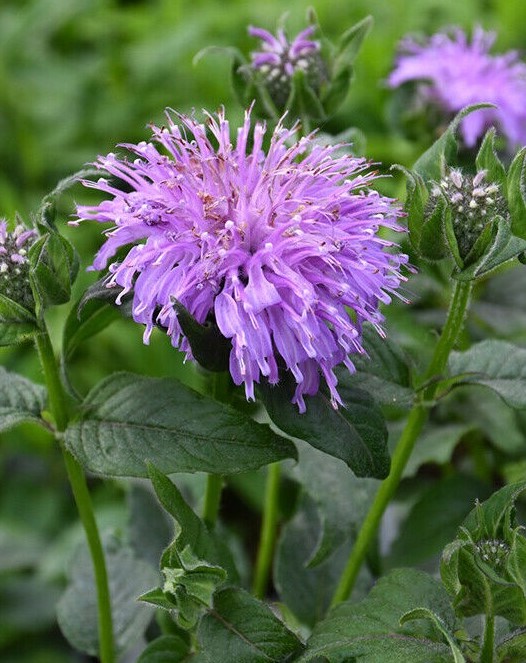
(455, 73)
(280, 58)
(273, 245)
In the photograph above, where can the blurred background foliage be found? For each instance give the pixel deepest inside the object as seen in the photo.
(79, 76)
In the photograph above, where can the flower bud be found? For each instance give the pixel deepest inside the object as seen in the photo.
(14, 265)
(472, 204)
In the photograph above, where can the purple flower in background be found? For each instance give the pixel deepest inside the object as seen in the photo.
(455, 73)
(272, 247)
(280, 58)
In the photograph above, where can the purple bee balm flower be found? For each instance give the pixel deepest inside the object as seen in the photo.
(279, 59)
(455, 73)
(274, 246)
(284, 56)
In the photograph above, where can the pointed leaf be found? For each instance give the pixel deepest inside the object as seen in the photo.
(370, 630)
(496, 364)
(487, 159)
(166, 649)
(355, 433)
(428, 165)
(53, 268)
(128, 420)
(349, 44)
(240, 628)
(516, 193)
(20, 400)
(17, 324)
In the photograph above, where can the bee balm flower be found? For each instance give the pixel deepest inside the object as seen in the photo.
(453, 73)
(273, 246)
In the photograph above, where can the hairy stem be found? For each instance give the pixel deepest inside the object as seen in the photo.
(488, 644)
(58, 405)
(268, 531)
(415, 423)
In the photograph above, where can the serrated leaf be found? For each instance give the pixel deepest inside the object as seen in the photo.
(17, 324)
(130, 419)
(355, 433)
(370, 630)
(516, 193)
(496, 364)
(166, 649)
(77, 608)
(429, 164)
(240, 628)
(20, 400)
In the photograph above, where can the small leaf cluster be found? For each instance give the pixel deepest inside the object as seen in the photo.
(476, 218)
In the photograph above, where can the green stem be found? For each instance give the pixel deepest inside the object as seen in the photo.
(415, 423)
(214, 486)
(268, 531)
(58, 405)
(488, 645)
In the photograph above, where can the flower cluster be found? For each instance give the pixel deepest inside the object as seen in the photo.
(14, 266)
(493, 551)
(280, 58)
(453, 73)
(473, 203)
(273, 246)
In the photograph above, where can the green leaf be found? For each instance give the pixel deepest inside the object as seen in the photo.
(128, 420)
(436, 242)
(341, 498)
(481, 568)
(355, 433)
(496, 364)
(370, 630)
(20, 400)
(487, 159)
(425, 613)
(416, 199)
(384, 371)
(194, 565)
(349, 44)
(505, 247)
(191, 532)
(166, 649)
(511, 648)
(428, 166)
(53, 268)
(303, 102)
(77, 609)
(434, 518)
(516, 193)
(305, 589)
(242, 629)
(17, 324)
(209, 347)
(150, 528)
